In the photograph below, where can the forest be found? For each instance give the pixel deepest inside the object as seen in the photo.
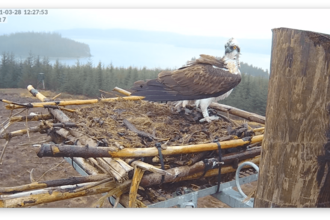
(44, 44)
(87, 79)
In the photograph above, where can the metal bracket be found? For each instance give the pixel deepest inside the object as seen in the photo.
(227, 194)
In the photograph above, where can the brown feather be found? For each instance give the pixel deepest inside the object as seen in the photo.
(197, 80)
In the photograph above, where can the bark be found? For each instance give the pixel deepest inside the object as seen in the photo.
(238, 112)
(53, 150)
(196, 158)
(294, 168)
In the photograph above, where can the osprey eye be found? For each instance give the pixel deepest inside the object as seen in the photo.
(234, 47)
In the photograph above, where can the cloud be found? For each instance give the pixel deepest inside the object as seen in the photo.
(242, 23)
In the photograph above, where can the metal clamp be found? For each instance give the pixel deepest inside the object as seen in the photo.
(188, 205)
(237, 176)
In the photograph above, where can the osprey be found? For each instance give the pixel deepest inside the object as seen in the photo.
(205, 80)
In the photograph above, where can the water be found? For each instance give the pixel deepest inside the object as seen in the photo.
(150, 55)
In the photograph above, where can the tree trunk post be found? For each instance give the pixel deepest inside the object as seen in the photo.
(294, 166)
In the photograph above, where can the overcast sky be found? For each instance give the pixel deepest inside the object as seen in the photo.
(234, 22)
(241, 23)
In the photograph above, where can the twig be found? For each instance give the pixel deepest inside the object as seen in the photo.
(26, 124)
(49, 170)
(250, 195)
(4, 128)
(109, 93)
(117, 201)
(227, 119)
(134, 129)
(31, 176)
(94, 184)
(8, 119)
(38, 142)
(56, 96)
(3, 151)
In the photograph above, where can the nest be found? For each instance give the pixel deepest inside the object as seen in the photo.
(106, 140)
(104, 122)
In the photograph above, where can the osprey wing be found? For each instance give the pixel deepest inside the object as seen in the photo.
(197, 81)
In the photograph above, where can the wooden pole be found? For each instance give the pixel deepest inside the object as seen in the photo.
(65, 103)
(294, 167)
(238, 112)
(52, 183)
(56, 150)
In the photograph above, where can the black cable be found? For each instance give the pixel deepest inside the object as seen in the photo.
(220, 165)
(161, 160)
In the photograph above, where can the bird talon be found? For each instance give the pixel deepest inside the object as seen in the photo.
(209, 119)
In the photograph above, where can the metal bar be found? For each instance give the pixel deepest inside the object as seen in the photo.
(226, 194)
(233, 198)
(190, 197)
(75, 166)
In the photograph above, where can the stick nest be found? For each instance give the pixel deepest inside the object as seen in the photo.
(104, 122)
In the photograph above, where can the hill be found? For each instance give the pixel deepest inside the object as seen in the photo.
(42, 44)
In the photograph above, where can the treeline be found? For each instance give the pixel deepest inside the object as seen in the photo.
(253, 71)
(43, 44)
(250, 94)
(86, 79)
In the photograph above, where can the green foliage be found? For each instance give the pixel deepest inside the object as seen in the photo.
(43, 44)
(86, 79)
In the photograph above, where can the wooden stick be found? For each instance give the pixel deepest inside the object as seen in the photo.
(94, 184)
(63, 118)
(238, 112)
(149, 167)
(128, 98)
(4, 128)
(196, 158)
(122, 91)
(124, 200)
(53, 150)
(54, 103)
(3, 151)
(66, 193)
(135, 130)
(30, 118)
(56, 96)
(71, 102)
(53, 195)
(258, 129)
(137, 176)
(52, 183)
(23, 131)
(214, 172)
(109, 93)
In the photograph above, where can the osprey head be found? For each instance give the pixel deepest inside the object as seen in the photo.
(231, 46)
(232, 50)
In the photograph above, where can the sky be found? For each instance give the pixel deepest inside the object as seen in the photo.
(209, 21)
